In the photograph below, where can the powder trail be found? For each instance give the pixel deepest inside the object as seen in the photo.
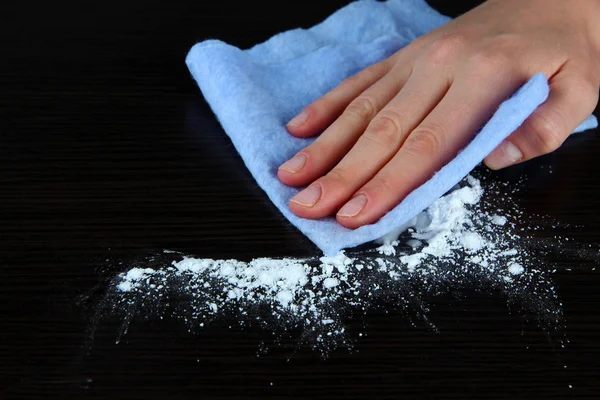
(457, 243)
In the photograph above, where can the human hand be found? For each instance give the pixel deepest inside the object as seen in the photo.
(387, 129)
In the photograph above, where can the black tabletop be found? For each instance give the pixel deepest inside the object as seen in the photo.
(109, 155)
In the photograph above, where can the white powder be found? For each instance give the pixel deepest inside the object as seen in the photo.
(515, 269)
(499, 220)
(455, 243)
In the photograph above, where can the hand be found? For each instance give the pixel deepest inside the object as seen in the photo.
(386, 130)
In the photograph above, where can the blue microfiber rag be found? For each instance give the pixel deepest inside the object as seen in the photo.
(255, 92)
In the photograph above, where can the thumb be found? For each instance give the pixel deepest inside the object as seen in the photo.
(572, 99)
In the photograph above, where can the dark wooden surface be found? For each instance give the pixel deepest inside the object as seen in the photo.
(109, 153)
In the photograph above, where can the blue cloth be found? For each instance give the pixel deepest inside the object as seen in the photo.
(255, 92)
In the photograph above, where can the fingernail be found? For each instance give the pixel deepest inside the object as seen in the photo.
(299, 119)
(354, 206)
(309, 196)
(294, 164)
(506, 154)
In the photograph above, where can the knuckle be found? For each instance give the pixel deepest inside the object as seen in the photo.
(445, 47)
(489, 63)
(395, 114)
(423, 143)
(339, 174)
(363, 107)
(546, 132)
(383, 130)
(381, 184)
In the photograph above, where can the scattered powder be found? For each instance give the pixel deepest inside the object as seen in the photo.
(459, 242)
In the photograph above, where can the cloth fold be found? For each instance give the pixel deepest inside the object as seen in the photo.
(255, 92)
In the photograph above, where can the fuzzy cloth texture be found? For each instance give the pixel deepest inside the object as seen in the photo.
(255, 92)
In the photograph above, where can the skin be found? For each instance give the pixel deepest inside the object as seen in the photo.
(386, 130)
